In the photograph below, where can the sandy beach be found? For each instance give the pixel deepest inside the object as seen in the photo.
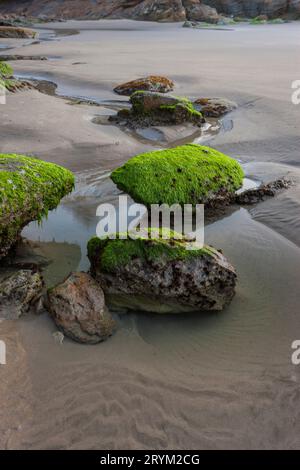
(198, 381)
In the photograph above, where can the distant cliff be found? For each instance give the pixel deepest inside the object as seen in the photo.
(151, 10)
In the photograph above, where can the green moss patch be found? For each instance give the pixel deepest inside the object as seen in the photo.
(190, 174)
(29, 188)
(6, 73)
(110, 254)
(145, 103)
(6, 70)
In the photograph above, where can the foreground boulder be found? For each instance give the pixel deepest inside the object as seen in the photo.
(10, 32)
(190, 174)
(19, 292)
(161, 276)
(156, 109)
(214, 107)
(78, 308)
(29, 188)
(151, 83)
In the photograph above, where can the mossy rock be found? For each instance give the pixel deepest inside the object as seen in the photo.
(155, 109)
(111, 254)
(29, 188)
(189, 174)
(6, 73)
(161, 275)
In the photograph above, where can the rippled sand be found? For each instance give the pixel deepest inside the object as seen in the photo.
(198, 381)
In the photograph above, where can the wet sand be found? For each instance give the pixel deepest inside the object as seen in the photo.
(198, 381)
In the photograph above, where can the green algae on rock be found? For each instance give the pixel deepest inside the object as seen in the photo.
(189, 174)
(154, 109)
(6, 73)
(161, 276)
(6, 70)
(114, 253)
(29, 188)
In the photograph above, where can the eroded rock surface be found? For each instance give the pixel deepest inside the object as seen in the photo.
(18, 293)
(150, 10)
(161, 276)
(214, 107)
(78, 308)
(157, 109)
(151, 83)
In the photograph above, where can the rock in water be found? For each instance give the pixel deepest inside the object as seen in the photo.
(78, 308)
(151, 83)
(189, 174)
(18, 292)
(29, 188)
(214, 107)
(151, 109)
(16, 32)
(161, 276)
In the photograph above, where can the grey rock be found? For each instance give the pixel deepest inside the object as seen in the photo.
(214, 107)
(161, 285)
(19, 292)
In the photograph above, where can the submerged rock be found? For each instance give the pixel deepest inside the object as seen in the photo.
(18, 293)
(161, 276)
(214, 107)
(151, 83)
(29, 188)
(154, 109)
(255, 195)
(190, 174)
(78, 308)
(16, 32)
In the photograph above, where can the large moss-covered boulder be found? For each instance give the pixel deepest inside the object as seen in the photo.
(157, 109)
(190, 174)
(161, 276)
(29, 188)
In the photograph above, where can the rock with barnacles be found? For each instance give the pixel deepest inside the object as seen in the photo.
(19, 292)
